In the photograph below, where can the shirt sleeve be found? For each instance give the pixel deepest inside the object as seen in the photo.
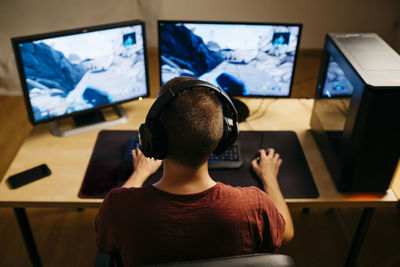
(273, 225)
(106, 238)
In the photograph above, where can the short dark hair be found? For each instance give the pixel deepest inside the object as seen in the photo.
(193, 123)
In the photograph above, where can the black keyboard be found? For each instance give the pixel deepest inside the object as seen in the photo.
(230, 159)
(131, 144)
(126, 168)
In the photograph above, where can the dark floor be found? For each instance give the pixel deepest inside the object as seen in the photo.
(65, 237)
(323, 237)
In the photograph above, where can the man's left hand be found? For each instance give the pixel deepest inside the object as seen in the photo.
(143, 168)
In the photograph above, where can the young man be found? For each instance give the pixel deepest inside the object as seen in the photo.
(187, 215)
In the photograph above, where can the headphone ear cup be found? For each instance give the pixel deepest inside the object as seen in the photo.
(152, 139)
(159, 140)
(145, 140)
(229, 135)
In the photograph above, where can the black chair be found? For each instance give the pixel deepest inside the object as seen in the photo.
(249, 260)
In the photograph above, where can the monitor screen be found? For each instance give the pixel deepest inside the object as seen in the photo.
(70, 72)
(244, 59)
(336, 84)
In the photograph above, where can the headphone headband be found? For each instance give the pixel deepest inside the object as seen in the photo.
(169, 95)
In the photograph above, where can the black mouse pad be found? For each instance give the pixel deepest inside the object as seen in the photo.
(107, 169)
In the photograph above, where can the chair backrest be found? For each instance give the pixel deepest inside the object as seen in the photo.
(250, 260)
(104, 259)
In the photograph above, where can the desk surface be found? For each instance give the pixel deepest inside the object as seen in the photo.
(68, 157)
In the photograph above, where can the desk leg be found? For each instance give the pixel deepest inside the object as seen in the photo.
(359, 237)
(27, 235)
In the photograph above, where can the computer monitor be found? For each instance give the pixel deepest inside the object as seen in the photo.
(336, 83)
(76, 73)
(356, 111)
(244, 59)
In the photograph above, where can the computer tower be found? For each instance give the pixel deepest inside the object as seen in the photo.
(356, 113)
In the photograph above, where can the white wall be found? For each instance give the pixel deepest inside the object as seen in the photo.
(317, 16)
(22, 17)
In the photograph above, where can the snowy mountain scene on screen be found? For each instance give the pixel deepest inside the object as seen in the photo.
(82, 71)
(246, 59)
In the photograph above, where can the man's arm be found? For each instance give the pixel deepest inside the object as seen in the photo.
(143, 168)
(267, 170)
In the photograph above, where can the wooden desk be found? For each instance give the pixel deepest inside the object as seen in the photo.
(68, 157)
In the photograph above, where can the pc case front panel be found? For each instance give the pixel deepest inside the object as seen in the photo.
(333, 116)
(363, 154)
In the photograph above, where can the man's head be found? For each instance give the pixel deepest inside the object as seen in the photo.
(193, 123)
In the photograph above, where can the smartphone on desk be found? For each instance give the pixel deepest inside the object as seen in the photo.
(28, 176)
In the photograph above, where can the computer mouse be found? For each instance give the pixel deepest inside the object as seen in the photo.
(257, 157)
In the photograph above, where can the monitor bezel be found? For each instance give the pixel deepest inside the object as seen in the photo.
(37, 37)
(300, 25)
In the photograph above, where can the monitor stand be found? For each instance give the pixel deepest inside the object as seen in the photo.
(242, 109)
(90, 121)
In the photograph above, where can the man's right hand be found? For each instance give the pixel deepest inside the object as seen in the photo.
(267, 165)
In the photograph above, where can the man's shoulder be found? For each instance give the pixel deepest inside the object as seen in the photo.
(118, 190)
(252, 190)
(251, 193)
(124, 192)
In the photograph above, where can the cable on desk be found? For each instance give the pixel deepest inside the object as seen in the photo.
(303, 101)
(263, 113)
(260, 135)
(257, 109)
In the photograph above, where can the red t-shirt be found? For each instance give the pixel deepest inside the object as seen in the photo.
(147, 225)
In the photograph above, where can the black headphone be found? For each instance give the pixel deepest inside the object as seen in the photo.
(152, 135)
